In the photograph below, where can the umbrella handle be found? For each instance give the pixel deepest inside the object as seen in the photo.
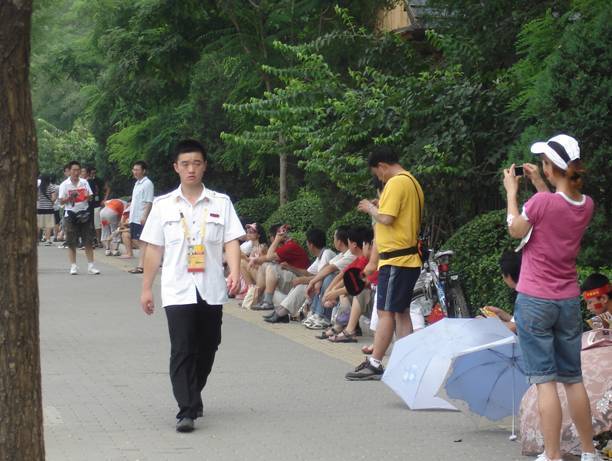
(513, 436)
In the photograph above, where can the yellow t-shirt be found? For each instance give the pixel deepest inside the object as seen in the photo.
(403, 199)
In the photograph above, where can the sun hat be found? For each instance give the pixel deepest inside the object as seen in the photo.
(560, 150)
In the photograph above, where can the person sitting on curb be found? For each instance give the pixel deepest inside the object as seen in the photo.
(315, 241)
(319, 283)
(254, 246)
(336, 293)
(271, 275)
(510, 265)
(359, 303)
(597, 293)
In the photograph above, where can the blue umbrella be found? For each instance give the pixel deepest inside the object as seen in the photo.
(487, 381)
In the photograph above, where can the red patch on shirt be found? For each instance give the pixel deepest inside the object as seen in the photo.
(214, 215)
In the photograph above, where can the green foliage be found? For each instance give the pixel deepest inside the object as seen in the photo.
(57, 147)
(478, 246)
(351, 218)
(305, 212)
(565, 86)
(257, 209)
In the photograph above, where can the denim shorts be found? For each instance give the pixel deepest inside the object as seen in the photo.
(550, 335)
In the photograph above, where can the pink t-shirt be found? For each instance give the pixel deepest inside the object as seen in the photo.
(548, 268)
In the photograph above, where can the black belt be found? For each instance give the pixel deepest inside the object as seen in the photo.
(395, 253)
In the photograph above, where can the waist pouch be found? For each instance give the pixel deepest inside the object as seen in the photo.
(80, 217)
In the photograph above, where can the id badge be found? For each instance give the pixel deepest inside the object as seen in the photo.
(195, 258)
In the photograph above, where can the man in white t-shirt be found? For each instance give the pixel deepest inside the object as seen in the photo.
(142, 200)
(74, 194)
(315, 241)
(191, 227)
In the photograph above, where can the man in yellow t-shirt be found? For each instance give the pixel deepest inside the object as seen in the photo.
(398, 220)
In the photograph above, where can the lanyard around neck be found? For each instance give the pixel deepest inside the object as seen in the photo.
(185, 226)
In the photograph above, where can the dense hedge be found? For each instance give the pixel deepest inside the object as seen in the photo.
(478, 246)
(305, 212)
(257, 209)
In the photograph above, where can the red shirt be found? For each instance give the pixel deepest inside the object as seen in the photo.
(293, 254)
(359, 263)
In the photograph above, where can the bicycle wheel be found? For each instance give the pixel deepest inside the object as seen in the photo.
(457, 305)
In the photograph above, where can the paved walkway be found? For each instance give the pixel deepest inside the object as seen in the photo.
(275, 392)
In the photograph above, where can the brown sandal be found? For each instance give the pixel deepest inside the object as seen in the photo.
(343, 337)
(136, 270)
(332, 331)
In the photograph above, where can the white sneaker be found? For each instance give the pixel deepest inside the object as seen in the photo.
(93, 271)
(107, 252)
(310, 319)
(590, 457)
(116, 253)
(74, 270)
(543, 457)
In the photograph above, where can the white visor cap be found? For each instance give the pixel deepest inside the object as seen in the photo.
(560, 150)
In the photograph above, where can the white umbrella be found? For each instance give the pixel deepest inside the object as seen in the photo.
(420, 361)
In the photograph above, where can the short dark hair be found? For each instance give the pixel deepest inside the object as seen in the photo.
(358, 235)
(72, 163)
(316, 237)
(595, 281)
(89, 168)
(510, 264)
(382, 154)
(341, 233)
(274, 229)
(141, 163)
(368, 235)
(188, 145)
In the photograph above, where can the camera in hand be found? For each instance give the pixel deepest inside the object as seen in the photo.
(519, 171)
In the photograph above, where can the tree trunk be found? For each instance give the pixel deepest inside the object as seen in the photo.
(282, 178)
(21, 428)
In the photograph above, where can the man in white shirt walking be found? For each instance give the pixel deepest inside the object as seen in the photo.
(142, 200)
(190, 227)
(74, 193)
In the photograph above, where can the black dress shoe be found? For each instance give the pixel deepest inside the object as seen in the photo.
(184, 425)
(277, 318)
(269, 315)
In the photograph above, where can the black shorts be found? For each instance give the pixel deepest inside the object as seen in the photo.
(78, 231)
(395, 286)
(57, 217)
(135, 230)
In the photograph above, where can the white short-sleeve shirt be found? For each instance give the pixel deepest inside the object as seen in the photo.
(164, 228)
(322, 260)
(80, 193)
(341, 260)
(141, 195)
(246, 247)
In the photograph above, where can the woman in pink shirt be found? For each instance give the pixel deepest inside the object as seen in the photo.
(547, 309)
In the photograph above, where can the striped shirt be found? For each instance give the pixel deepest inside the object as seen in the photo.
(44, 205)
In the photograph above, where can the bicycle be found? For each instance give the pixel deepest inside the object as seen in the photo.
(438, 292)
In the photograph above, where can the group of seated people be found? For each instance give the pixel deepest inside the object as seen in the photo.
(282, 280)
(286, 283)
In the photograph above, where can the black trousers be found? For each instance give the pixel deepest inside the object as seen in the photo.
(195, 335)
